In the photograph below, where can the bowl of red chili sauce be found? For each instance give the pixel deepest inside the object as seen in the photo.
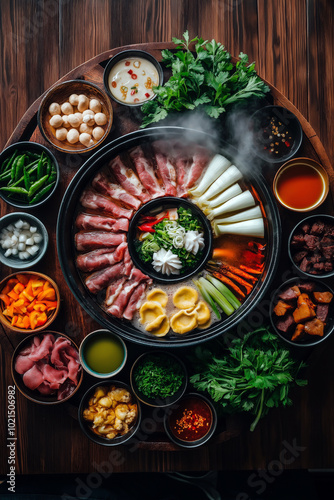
(191, 422)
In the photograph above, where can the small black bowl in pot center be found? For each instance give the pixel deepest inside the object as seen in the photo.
(159, 205)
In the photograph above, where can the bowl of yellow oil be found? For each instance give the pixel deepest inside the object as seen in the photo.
(102, 354)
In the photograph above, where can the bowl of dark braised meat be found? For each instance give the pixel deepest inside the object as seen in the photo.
(302, 312)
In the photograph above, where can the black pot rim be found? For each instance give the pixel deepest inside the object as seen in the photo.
(128, 332)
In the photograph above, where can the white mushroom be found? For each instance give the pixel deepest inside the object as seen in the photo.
(83, 103)
(95, 105)
(66, 123)
(100, 119)
(86, 128)
(56, 121)
(66, 108)
(85, 139)
(74, 99)
(61, 134)
(79, 116)
(54, 109)
(88, 118)
(74, 121)
(98, 133)
(72, 136)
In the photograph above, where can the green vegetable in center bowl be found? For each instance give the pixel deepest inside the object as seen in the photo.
(205, 79)
(253, 375)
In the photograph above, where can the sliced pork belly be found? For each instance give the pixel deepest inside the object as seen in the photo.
(166, 170)
(128, 265)
(128, 179)
(33, 378)
(199, 162)
(114, 290)
(119, 305)
(96, 260)
(101, 279)
(102, 185)
(23, 364)
(44, 349)
(98, 239)
(181, 162)
(135, 301)
(87, 222)
(94, 201)
(145, 171)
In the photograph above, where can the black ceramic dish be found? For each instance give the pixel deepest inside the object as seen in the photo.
(308, 340)
(85, 425)
(158, 402)
(35, 396)
(34, 147)
(124, 55)
(288, 121)
(67, 252)
(198, 442)
(328, 219)
(161, 204)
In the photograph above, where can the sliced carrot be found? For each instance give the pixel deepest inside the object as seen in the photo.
(18, 288)
(13, 295)
(40, 307)
(28, 296)
(5, 299)
(33, 318)
(26, 322)
(14, 319)
(42, 319)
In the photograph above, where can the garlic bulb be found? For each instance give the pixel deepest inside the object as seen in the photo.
(166, 262)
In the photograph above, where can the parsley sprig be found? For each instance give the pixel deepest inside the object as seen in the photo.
(255, 374)
(205, 79)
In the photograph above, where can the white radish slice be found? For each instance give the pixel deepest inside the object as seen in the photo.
(216, 167)
(243, 200)
(252, 213)
(229, 177)
(253, 228)
(226, 195)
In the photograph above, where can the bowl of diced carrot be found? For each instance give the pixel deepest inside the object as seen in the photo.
(29, 302)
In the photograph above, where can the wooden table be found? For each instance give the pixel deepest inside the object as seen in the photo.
(40, 446)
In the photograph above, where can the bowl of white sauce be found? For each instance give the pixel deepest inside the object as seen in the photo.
(131, 75)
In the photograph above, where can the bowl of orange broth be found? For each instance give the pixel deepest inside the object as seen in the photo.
(301, 184)
(102, 353)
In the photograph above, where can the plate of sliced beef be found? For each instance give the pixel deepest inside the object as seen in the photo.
(311, 246)
(46, 367)
(302, 311)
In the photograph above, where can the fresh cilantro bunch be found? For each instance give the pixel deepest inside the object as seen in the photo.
(253, 375)
(206, 80)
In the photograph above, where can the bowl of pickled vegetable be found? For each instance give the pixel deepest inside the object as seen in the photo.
(29, 174)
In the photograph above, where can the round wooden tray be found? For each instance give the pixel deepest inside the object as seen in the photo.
(73, 320)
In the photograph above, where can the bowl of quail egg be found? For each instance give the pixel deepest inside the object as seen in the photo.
(23, 240)
(75, 116)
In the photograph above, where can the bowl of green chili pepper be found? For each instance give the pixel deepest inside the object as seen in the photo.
(29, 174)
(158, 378)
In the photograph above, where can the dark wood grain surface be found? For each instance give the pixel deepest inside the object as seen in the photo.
(292, 43)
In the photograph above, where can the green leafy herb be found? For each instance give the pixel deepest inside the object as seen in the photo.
(255, 374)
(205, 79)
(158, 376)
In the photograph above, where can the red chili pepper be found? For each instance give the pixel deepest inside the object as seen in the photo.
(287, 143)
(146, 228)
(147, 95)
(132, 92)
(130, 71)
(127, 63)
(133, 76)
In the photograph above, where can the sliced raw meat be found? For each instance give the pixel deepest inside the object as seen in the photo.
(311, 241)
(199, 162)
(119, 305)
(93, 261)
(114, 290)
(52, 375)
(285, 324)
(304, 266)
(101, 279)
(44, 349)
(94, 201)
(145, 171)
(86, 222)
(298, 240)
(45, 389)
(166, 170)
(135, 301)
(65, 390)
(33, 378)
(299, 256)
(306, 287)
(102, 184)
(57, 357)
(23, 364)
(317, 228)
(127, 263)
(128, 179)
(181, 161)
(322, 311)
(73, 369)
(98, 239)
